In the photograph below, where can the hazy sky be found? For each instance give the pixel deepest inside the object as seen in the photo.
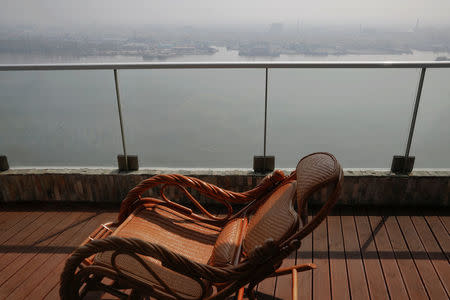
(224, 12)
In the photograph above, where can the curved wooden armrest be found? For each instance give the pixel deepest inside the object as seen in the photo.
(210, 190)
(169, 259)
(133, 246)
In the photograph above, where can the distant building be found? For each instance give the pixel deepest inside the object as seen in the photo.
(416, 28)
(276, 28)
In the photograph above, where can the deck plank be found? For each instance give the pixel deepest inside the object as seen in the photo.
(430, 279)
(20, 226)
(10, 249)
(356, 273)
(17, 255)
(304, 256)
(338, 267)
(392, 274)
(9, 219)
(438, 259)
(53, 294)
(441, 234)
(47, 276)
(446, 222)
(374, 273)
(27, 263)
(321, 275)
(411, 276)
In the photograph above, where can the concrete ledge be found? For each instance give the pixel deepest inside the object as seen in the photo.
(361, 187)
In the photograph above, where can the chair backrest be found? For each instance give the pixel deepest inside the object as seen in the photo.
(314, 172)
(275, 219)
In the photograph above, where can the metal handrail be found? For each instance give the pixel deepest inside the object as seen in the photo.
(228, 65)
(423, 65)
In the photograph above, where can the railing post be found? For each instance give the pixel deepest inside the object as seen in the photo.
(125, 162)
(404, 164)
(4, 166)
(264, 163)
(265, 113)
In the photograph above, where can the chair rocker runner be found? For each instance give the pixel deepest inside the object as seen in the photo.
(162, 249)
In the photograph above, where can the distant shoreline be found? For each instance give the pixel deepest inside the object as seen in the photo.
(221, 54)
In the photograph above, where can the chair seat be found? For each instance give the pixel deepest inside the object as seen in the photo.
(161, 225)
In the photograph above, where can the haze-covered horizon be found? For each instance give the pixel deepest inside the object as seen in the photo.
(69, 14)
(214, 118)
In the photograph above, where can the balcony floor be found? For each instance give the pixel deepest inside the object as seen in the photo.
(362, 254)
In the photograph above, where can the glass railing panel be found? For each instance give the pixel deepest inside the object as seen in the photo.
(431, 140)
(194, 118)
(360, 115)
(59, 118)
(215, 118)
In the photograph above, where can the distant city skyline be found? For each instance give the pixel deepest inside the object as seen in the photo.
(232, 12)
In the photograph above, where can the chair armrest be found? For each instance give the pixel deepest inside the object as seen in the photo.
(130, 246)
(236, 276)
(221, 195)
(169, 259)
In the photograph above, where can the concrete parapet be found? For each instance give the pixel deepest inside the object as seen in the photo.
(361, 187)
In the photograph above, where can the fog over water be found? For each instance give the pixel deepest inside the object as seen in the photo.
(215, 118)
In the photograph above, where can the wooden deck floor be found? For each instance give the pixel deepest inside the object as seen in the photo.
(360, 254)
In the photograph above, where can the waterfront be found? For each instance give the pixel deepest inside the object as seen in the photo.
(214, 118)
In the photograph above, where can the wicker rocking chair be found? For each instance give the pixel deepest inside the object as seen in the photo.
(161, 249)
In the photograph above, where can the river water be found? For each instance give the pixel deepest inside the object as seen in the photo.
(215, 118)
